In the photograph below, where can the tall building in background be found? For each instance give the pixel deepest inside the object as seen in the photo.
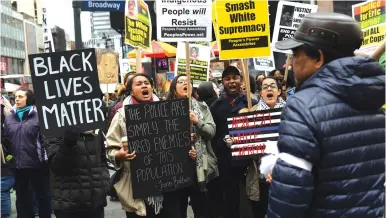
(100, 25)
(31, 9)
(13, 50)
(59, 37)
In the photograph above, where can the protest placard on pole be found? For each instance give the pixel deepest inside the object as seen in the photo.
(199, 56)
(264, 63)
(288, 18)
(159, 134)
(243, 29)
(67, 91)
(184, 20)
(372, 19)
(137, 24)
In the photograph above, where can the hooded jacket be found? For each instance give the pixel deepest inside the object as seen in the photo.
(27, 144)
(332, 145)
(80, 175)
(206, 93)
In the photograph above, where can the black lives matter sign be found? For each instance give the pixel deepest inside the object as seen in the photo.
(159, 134)
(67, 91)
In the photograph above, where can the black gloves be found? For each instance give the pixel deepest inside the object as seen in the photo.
(71, 136)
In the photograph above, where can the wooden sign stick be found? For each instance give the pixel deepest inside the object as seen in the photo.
(2, 154)
(138, 62)
(187, 54)
(244, 66)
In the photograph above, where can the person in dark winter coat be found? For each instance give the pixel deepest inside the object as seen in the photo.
(7, 166)
(230, 173)
(81, 179)
(28, 149)
(208, 92)
(332, 132)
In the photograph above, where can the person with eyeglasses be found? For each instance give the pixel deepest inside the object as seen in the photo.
(257, 192)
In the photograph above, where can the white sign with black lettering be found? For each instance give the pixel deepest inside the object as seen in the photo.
(67, 92)
(47, 34)
(264, 63)
(179, 21)
(288, 18)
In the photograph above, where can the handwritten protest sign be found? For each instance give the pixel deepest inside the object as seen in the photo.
(371, 17)
(243, 28)
(199, 62)
(251, 132)
(288, 18)
(67, 91)
(159, 134)
(137, 24)
(264, 63)
(179, 21)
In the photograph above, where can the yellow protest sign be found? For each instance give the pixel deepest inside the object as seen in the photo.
(371, 17)
(243, 28)
(137, 24)
(214, 19)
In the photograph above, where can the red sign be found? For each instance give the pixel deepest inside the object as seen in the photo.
(4, 65)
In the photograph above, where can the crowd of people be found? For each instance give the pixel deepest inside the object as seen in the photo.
(332, 142)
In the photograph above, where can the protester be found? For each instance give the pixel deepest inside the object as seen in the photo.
(22, 127)
(140, 90)
(208, 93)
(230, 173)
(257, 192)
(81, 178)
(7, 166)
(253, 87)
(121, 95)
(332, 131)
(203, 130)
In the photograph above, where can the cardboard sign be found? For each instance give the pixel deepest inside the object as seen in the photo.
(251, 132)
(243, 29)
(288, 18)
(107, 62)
(179, 21)
(371, 17)
(137, 24)
(199, 62)
(67, 92)
(264, 63)
(159, 134)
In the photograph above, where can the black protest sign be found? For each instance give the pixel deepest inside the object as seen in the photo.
(67, 91)
(159, 134)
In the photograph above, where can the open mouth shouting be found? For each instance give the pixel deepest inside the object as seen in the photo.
(232, 88)
(270, 96)
(185, 89)
(145, 93)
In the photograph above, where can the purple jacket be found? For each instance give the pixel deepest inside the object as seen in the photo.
(27, 144)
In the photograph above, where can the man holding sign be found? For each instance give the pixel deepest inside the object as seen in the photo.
(332, 133)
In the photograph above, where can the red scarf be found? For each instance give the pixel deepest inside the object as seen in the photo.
(138, 102)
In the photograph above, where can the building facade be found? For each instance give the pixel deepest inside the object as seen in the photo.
(13, 53)
(100, 24)
(32, 8)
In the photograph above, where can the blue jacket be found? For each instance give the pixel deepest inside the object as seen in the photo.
(27, 144)
(332, 145)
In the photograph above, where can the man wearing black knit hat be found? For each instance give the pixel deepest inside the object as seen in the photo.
(332, 134)
(230, 103)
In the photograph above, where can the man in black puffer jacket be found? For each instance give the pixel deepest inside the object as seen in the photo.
(80, 175)
(332, 134)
